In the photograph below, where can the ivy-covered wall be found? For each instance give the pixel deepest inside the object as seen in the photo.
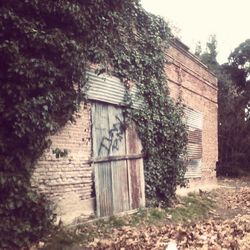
(46, 47)
(67, 180)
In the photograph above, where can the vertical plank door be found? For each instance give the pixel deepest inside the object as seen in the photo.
(119, 179)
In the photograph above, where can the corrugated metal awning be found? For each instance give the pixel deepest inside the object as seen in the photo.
(109, 89)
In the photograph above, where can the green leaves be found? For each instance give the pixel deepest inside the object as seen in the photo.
(45, 50)
(59, 152)
(159, 121)
(26, 216)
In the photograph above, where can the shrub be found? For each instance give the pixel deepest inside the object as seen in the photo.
(26, 216)
(45, 49)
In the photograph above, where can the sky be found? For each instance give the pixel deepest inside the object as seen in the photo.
(196, 20)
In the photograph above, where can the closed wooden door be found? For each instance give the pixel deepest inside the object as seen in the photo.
(118, 164)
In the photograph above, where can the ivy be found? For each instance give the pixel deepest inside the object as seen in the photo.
(164, 140)
(45, 49)
(59, 152)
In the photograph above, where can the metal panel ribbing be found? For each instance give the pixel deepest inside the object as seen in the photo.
(109, 89)
(194, 120)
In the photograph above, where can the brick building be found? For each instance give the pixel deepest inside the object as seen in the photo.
(191, 80)
(73, 182)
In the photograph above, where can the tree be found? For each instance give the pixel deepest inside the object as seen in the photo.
(209, 56)
(239, 68)
(198, 49)
(239, 61)
(232, 126)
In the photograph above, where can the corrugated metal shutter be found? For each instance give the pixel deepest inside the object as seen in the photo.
(194, 121)
(109, 89)
(194, 118)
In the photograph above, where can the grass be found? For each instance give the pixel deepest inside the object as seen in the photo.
(117, 221)
(190, 208)
(62, 239)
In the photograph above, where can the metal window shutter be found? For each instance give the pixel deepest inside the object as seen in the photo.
(194, 120)
(109, 89)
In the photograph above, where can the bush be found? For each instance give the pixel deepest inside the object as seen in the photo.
(26, 216)
(164, 139)
(45, 49)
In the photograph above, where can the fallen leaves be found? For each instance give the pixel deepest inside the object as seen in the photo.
(217, 232)
(228, 234)
(227, 226)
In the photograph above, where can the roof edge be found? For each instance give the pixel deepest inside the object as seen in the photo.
(178, 44)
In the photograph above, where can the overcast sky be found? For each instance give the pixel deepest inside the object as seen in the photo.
(195, 20)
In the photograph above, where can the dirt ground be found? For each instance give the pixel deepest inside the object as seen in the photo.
(223, 225)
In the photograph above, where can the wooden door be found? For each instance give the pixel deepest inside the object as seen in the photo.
(118, 164)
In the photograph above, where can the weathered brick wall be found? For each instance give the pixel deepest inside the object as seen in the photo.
(68, 180)
(190, 79)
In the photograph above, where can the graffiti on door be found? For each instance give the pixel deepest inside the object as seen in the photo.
(114, 138)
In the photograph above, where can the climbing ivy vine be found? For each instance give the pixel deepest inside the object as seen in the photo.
(45, 49)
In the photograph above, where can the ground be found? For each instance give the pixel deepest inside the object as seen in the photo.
(219, 219)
